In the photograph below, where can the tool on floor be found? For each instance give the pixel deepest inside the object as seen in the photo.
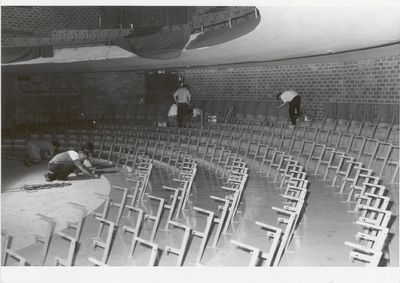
(35, 187)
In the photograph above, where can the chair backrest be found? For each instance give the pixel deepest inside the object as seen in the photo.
(229, 103)
(344, 110)
(394, 112)
(383, 111)
(368, 111)
(162, 109)
(219, 108)
(240, 107)
(330, 109)
(355, 109)
(141, 111)
(120, 111)
(151, 110)
(208, 108)
(196, 103)
(262, 107)
(273, 108)
(250, 112)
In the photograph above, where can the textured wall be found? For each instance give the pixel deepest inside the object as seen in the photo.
(151, 17)
(8, 104)
(55, 96)
(40, 21)
(373, 81)
(370, 81)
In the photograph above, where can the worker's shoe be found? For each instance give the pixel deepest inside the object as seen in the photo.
(48, 178)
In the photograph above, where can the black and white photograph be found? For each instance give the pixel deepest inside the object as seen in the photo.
(188, 142)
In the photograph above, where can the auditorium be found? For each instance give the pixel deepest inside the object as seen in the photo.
(280, 160)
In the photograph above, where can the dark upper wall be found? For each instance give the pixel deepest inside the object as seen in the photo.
(55, 97)
(40, 21)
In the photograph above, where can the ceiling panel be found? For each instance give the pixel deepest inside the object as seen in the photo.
(284, 32)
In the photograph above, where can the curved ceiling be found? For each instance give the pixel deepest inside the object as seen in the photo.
(284, 32)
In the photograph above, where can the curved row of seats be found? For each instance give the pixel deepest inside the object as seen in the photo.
(168, 148)
(312, 141)
(168, 154)
(372, 120)
(319, 149)
(377, 146)
(324, 147)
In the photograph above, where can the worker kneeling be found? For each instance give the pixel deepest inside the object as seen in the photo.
(65, 163)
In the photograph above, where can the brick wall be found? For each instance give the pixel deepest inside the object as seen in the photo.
(50, 97)
(7, 101)
(40, 21)
(151, 17)
(371, 81)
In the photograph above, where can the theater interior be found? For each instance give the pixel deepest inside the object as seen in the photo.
(234, 194)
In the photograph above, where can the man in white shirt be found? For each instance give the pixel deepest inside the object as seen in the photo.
(182, 97)
(293, 100)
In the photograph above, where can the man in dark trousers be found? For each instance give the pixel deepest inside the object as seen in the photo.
(293, 100)
(65, 163)
(182, 97)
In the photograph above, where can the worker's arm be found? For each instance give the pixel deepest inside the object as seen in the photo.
(84, 170)
(280, 106)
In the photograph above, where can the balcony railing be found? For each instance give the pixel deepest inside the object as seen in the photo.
(198, 24)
